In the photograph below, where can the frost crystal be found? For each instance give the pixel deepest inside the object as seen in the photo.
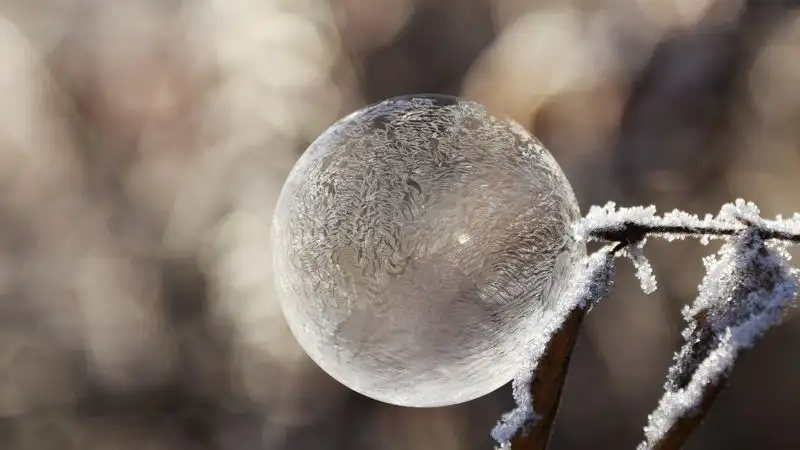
(644, 271)
(732, 218)
(591, 284)
(608, 217)
(745, 292)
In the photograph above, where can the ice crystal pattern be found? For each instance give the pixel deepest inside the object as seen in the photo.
(589, 286)
(419, 245)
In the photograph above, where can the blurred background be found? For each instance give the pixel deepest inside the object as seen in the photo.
(143, 144)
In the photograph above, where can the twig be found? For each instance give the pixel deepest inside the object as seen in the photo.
(700, 345)
(538, 386)
(629, 233)
(677, 435)
(548, 384)
(744, 293)
(740, 295)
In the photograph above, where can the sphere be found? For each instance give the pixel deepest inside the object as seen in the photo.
(419, 244)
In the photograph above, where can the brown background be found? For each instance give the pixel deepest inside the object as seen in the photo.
(143, 143)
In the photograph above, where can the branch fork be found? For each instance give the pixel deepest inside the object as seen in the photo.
(748, 286)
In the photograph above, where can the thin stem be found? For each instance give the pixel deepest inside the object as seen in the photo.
(629, 233)
(548, 384)
(680, 431)
(698, 347)
(704, 337)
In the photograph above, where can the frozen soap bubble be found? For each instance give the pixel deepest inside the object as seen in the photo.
(419, 244)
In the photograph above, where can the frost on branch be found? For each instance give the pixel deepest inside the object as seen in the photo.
(590, 284)
(630, 228)
(609, 220)
(632, 225)
(746, 290)
(644, 271)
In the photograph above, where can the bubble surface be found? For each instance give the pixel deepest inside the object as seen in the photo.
(418, 244)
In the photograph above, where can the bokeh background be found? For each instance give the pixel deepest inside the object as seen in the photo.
(143, 144)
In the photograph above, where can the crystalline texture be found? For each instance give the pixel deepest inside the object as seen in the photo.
(419, 244)
(588, 286)
(745, 292)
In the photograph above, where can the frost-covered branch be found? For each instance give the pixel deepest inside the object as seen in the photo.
(628, 226)
(745, 292)
(528, 425)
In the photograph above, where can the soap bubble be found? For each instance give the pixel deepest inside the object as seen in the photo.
(419, 243)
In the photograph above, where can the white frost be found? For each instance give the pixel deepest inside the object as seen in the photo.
(609, 217)
(745, 292)
(736, 216)
(588, 286)
(644, 271)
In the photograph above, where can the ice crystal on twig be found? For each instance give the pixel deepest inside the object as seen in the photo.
(745, 292)
(631, 225)
(590, 284)
(644, 271)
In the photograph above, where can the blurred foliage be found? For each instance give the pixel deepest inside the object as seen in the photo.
(143, 144)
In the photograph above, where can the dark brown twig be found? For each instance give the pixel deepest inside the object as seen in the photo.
(629, 233)
(685, 426)
(700, 344)
(548, 384)
(703, 338)
(551, 370)
(725, 320)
